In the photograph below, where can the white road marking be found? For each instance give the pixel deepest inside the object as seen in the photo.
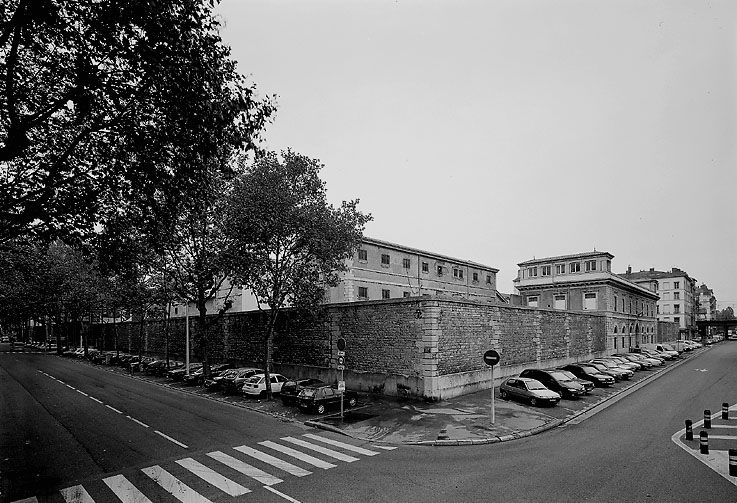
(70, 387)
(32, 499)
(137, 421)
(113, 409)
(385, 447)
(211, 476)
(123, 489)
(95, 399)
(297, 454)
(343, 445)
(322, 450)
(288, 498)
(714, 426)
(171, 439)
(76, 494)
(82, 392)
(174, 486)
(245, 468)
(721, 437)
(271, 460)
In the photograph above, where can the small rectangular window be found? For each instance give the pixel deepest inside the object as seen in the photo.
(406, 263)
(559, 301)
(176, 310)
(560, 269)
(405, 294)
(425, 267)
(589, 302)
(532, 301)
(676, 295)
(475, 277)
(385, 294)
(677, 319)
(455, 273)
(676, 308)
(532, 272)
(384, 259)
(575, 267)
(488, 279)
(362, 255)
(546, 270)
(676, 284)
(460, 273)
(362, 292)
(590, 265)
(440, 270)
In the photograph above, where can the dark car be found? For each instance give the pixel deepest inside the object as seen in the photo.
(319, 398)
(590, 374)
(198, 377)
(528, 389)
(291, 389)
(179, 373)
(556, 380)
(234, 383)
(587, 385)
(215, 381)
(617, 372)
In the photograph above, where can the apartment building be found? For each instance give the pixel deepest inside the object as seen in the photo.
(677, 292)
(707, 307)
(585, 282)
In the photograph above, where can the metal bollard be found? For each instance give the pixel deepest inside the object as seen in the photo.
(689, 430)
(733, 462)
(725, 410)
(707, 418)
(704, 442)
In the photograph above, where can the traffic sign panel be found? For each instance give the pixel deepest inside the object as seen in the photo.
(341, 344)
(491, 357)
(341, 385)
(341, 360)
(341, 353)
(341, 367)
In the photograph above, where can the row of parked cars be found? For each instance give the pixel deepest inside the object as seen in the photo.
(548, 386)
(312, 395)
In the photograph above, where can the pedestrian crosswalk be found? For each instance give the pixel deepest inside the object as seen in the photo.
(219, 476)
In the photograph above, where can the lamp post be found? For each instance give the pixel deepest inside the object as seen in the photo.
(186, 340)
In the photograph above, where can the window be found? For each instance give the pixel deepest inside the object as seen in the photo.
(615, 302)
(589, 302)
(656, 287)
(560, 268)
(609, 266)
(406, 263)
(488, 279)
(384, 259)
(575, 267)
(677, 319)
(475, 277)
(440, 270)
(532, 272)
(590, 265)
(425, 267)
(676, 285)
(362, 255)
(532, 301)
(458, 273)
(385, 294)
(176, 310)
(676, 308)
(676, 295)
(658, 309)
(546, 270)
(405, 294)
(362, 292)
(559, 301)
(615, 340)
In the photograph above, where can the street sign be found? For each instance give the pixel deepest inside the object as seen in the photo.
(341, 360)
(341, 353)
(491, 357)
(341, 344)
(341, 367)
(341, 385)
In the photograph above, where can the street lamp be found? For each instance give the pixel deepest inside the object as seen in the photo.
(186, 340)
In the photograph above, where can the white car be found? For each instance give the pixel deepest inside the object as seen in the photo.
(256, 385)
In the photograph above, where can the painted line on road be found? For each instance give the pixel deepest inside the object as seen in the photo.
(342, 445)
(273, 461)
(95, 399)
(70, 387)
(245, 468)
(174, 486)
(322, 450)
(113, 408)
(76, 494)
(385, 447)
(32, 499)
(82, 392)
(170, 439)
(212, 477)
(288, 498)
(137, 421)
(297, 454)
(124, 490)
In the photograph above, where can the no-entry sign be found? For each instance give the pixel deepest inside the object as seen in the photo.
(491, 357)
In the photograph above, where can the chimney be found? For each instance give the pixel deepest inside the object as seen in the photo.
(629, 269)
(652, 269)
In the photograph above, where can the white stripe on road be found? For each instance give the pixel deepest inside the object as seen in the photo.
(124, 490)
(211, 476)
(113, 409)
(174, 486)
(76, 494)
(322, 450)
(70, 387)
(95, 399)
(245, 468)
(342, 445)
(288, 498)
(297, 454)
(32, 499)
(80, 391)
(171, 439)
(137, 421)
(713, 426)
(271, 460)
(721, 437)
(385, 447)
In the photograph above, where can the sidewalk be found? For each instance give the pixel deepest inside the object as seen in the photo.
(466, 420)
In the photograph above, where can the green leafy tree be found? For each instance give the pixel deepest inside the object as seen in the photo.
(284, 241)
(109, 107)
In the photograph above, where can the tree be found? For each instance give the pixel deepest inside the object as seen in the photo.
(726, 314)
(284, 241)
(108, 107)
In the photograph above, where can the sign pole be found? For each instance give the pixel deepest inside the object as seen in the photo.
(341, 367)
(341, 399)
(491, 358)
(492, 394)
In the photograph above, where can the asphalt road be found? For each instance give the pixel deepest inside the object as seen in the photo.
(53, 436)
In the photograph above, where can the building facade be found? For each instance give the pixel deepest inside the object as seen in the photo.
(677, 292)
(584, 282)
(384, 270)
(707, 304)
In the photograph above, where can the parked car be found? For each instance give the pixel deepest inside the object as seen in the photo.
(589, 373)
(321, 397)
(198, 377)
(256, 384)
(622, 362)
(179, 373)
(528, 389)
(646, 363)
(556, 380)
(290, 390)
(215, 381)
(587, 385)
(607, 367)
(658, 348)
(651, 353)
(235, 383)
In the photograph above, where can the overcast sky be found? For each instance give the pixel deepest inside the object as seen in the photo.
(499, 131)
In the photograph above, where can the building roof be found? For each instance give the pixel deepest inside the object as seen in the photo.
(561, 258)
(597, 277)
(437, 256)
(653, 274)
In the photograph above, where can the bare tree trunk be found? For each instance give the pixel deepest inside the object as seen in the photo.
(269, 349)
(202, 308)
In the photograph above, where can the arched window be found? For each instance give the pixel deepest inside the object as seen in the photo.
(615, 329)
